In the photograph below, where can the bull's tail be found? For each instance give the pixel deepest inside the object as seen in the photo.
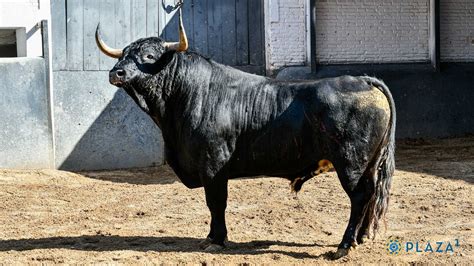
(381, 169)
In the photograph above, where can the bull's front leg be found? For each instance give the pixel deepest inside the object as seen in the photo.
(216, 199)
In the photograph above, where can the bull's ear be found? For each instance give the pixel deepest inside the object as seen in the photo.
(183, 44)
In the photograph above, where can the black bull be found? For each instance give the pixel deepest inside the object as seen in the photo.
(219, 123)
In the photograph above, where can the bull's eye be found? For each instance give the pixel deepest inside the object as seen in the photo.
(150, 57)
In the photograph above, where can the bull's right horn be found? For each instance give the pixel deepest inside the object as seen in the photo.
(182, 45)
(112, 52)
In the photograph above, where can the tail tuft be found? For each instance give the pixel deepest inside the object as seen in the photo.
(296, 184)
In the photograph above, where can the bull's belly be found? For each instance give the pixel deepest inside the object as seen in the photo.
(277, 162)
(297, 169)
(287, 147)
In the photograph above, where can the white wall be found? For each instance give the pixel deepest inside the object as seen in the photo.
(26, 13)
(356, 31)
(457, 30)
(285, 33)
(366, 31)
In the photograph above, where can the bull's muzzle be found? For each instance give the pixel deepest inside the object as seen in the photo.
(117, 77)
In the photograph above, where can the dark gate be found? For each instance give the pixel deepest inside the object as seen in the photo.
(228, 31)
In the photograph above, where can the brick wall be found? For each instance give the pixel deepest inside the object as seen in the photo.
(366, 31)
(457, 30)
(285, 33)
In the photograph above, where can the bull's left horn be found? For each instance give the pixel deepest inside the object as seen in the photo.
(112, 52)
(182, 45)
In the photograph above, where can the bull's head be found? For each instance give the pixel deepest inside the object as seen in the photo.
(139, 57)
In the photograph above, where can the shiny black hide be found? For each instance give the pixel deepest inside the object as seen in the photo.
(219, 123)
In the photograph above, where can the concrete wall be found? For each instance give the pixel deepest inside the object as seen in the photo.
(98, 126)
(285, 27)
(25, 133)
(457, 30)
(366, 31)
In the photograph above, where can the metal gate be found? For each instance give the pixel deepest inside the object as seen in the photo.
(228, 31)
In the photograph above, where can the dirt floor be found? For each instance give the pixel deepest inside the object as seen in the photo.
(146, 215)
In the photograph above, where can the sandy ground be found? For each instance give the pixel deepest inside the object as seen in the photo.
(146, 215)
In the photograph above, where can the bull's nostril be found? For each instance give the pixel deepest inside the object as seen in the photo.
(120, 73)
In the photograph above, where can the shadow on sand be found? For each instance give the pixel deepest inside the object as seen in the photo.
(159, 175)
(158, 244)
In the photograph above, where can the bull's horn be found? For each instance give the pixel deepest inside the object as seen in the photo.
(112, 52)
(182, 45)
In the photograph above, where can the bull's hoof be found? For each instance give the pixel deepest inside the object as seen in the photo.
(205, 243)
(363, 239)
(341, 252)
(354, 244)
(214, 248)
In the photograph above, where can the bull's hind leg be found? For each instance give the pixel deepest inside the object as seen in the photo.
(356, 189)
(363, 233)
(216, 199)
(364, 228)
